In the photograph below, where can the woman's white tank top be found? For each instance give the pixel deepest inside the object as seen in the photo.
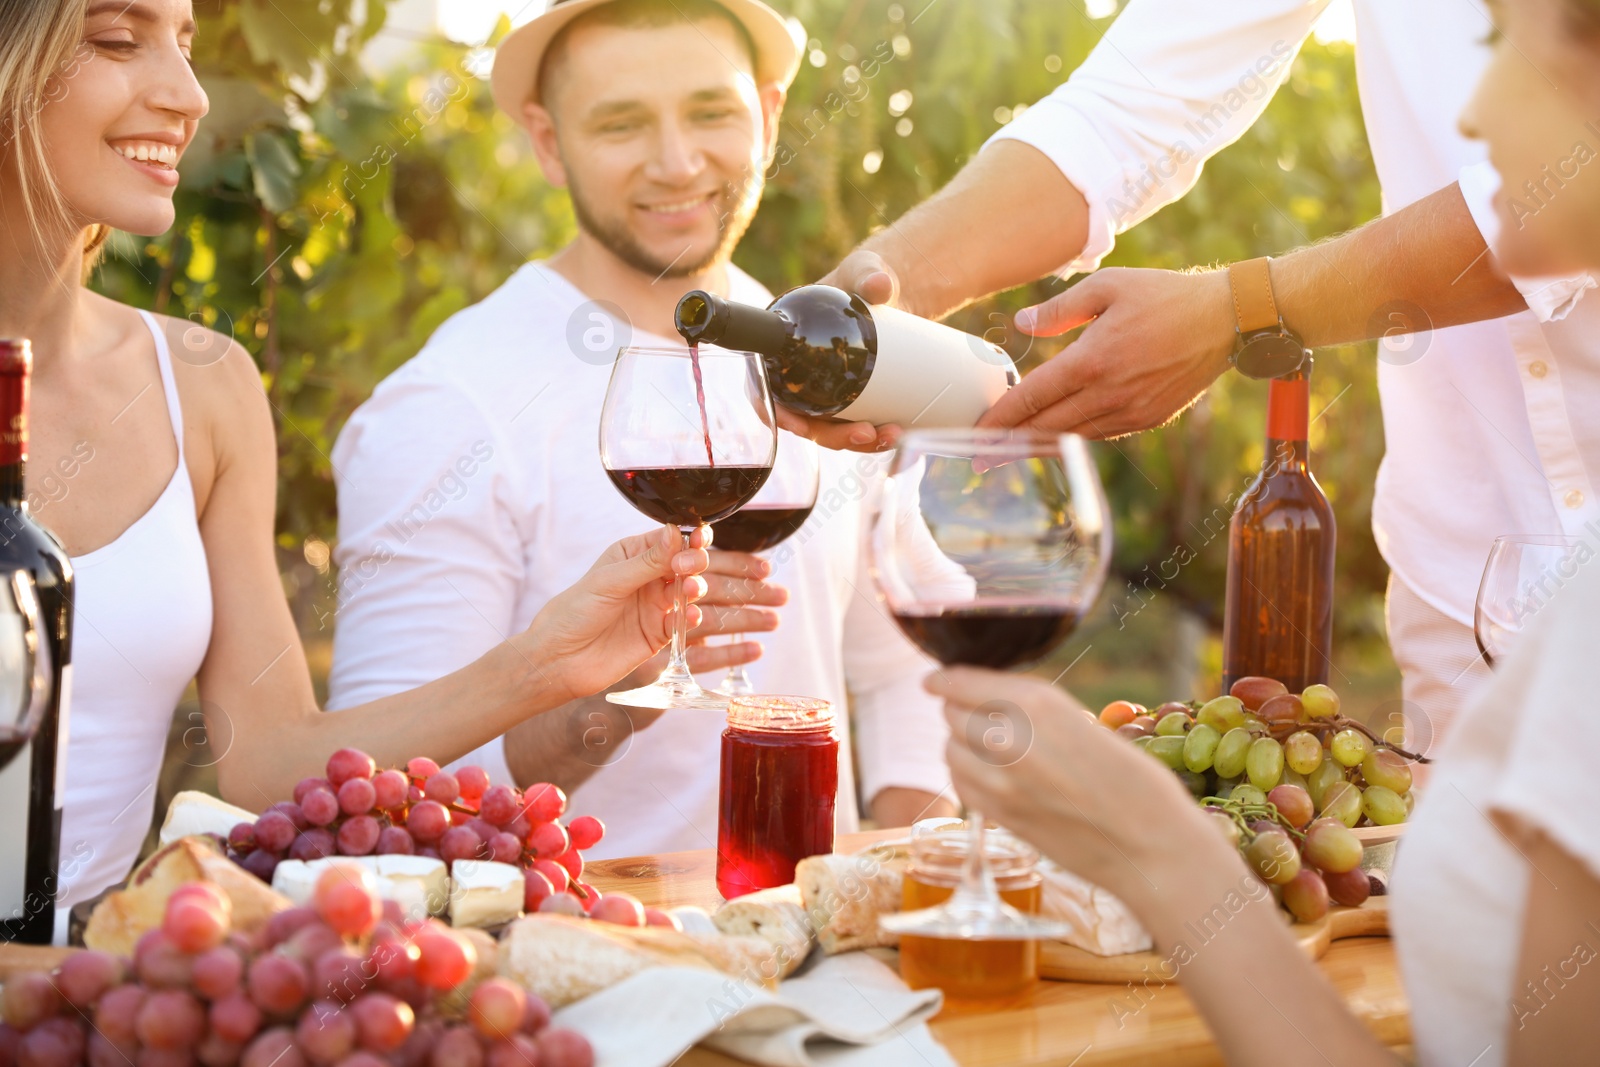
(141, 626)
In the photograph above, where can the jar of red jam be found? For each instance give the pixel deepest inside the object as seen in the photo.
(970, 971)
(780, 771)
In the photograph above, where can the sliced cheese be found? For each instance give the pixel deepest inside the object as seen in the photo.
(192, 812)
(485, 893)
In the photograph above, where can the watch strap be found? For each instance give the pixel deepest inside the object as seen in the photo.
(1253, 305)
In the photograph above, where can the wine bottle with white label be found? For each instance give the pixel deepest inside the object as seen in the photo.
(35, 666)
(829, 352)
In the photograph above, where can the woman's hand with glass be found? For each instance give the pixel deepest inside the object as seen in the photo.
(618, 614)
(1079, 793)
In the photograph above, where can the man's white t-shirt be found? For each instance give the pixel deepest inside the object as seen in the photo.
(471, 492)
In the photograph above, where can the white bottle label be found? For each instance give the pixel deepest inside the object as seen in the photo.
(14, 811)
(928, 376)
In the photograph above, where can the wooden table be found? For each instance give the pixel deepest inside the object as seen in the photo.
(1059, 1023)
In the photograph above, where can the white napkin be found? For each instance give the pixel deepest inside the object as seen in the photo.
(837, 1011)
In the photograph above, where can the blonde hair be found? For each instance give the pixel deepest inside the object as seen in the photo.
(39, 53)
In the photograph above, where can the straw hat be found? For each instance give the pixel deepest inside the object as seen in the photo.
(779, 44)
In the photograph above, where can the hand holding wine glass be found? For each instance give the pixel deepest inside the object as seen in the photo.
(989, 547)
(619, 614)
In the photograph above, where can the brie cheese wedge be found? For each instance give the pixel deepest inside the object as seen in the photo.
(193, 812)
(485, 893)
(429, 879)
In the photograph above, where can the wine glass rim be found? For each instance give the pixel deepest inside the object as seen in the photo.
(682, 352)
(975, 438)
(1542, 540)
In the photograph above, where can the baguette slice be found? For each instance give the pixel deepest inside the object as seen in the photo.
(844, 895)
(564, 959)
(122, 918)
(775, 915)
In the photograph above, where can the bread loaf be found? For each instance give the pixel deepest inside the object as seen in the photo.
(564, 959)
(776, 916)
(122, 918)
(844, 895)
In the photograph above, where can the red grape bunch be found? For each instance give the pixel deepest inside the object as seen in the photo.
(358, 810)
(344, 983)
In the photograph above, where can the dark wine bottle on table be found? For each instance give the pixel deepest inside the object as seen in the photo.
(828, 352)
(1278, 618)
(32, 787)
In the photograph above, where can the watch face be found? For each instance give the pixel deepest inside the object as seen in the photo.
(1270, 355)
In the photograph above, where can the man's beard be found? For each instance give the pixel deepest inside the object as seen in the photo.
(617, 239)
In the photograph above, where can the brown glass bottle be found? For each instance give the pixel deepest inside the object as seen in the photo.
(1278, 618)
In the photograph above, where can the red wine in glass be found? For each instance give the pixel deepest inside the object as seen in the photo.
(689, 496)
(758, 527)
(995, 637)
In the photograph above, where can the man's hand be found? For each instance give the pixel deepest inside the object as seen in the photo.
(900, 806)
(737, 601)
(1155, 341)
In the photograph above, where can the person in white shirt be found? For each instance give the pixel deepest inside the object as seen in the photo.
(1489, 427)
(1496, 889)
(475, 468)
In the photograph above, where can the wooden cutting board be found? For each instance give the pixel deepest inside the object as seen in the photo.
(1063, 962)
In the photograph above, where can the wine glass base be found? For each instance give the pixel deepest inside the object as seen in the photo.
(667, 698)
(735, 689)
(975, 922)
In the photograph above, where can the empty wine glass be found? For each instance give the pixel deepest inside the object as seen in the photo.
(687, 437)
(771, 518)
(988, 548)
(1523, 573)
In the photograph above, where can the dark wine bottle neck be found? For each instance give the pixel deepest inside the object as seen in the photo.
(705, 318)
(1289, 422)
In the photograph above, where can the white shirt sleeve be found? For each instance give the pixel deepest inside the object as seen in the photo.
(1546, 781)
(429, 555)
(1170, 84)
(1549, 298)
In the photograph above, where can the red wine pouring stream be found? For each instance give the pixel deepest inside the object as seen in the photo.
(32, 787)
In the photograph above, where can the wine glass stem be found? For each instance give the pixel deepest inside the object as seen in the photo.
(677, 671)
(977, 888)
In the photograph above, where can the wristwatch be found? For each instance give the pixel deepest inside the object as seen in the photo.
(1266, 348)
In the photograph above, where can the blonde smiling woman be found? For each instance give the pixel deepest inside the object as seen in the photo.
(171, 526)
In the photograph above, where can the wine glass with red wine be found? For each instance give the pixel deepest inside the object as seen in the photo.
(988, 548)
(1522, 573)
(688, 436)
(24, 666)
(773, 515)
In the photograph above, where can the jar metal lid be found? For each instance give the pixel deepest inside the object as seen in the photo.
(779, 714)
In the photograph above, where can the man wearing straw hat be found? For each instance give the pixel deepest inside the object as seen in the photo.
(472, 474)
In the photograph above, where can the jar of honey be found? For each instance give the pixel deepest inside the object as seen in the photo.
(970, 971)
(780, 771)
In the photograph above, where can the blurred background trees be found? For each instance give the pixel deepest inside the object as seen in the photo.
(333, 216)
